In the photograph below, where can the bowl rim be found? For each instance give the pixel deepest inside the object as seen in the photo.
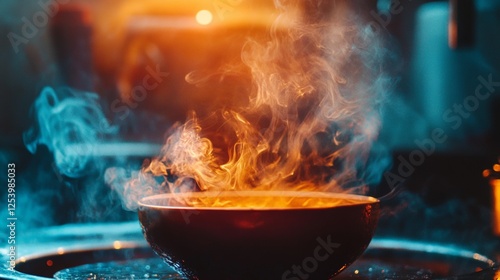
(146, 201)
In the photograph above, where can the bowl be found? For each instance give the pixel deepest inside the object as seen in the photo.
(259, 234)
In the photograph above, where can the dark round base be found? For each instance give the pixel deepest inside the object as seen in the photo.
(296, 243)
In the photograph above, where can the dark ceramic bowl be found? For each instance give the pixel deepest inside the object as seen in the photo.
(316, 241)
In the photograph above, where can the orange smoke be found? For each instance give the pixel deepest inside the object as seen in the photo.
(307, 125)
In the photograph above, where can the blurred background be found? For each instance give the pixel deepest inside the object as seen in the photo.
(440, 127)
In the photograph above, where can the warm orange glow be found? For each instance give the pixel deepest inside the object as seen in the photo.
(268, 202)
(204, 17)
(452, 34)
(255, 200)
(117, 245)
(60, 251)
(496, 167)
(306, 123)
(497, 275)
(486, 173)
(495, 185)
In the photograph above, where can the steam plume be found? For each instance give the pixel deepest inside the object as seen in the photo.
(308, 125)
(69, 124)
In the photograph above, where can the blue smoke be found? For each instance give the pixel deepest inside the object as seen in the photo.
(70, 124)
